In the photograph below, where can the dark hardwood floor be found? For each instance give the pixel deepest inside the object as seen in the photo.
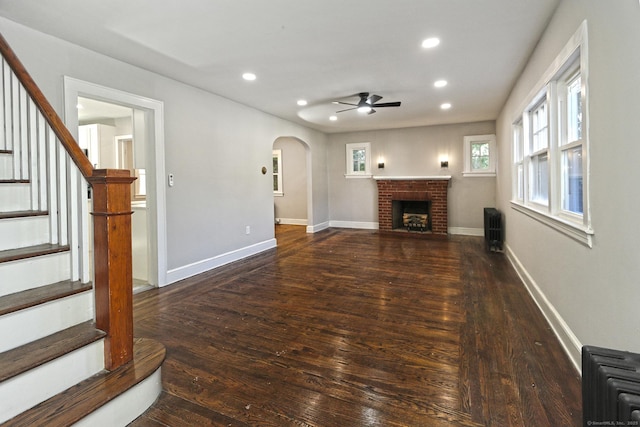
(358, 328)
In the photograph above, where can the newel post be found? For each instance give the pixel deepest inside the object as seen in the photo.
(113, 262)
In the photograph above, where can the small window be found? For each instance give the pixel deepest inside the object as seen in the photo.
(479, 153)
(358, 157)
(277, 173)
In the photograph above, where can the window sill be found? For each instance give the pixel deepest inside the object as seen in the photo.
(478, 174)
(353, 175)
(577, 232)
(278, 194)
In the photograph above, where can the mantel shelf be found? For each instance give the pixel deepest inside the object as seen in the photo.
(412, 178)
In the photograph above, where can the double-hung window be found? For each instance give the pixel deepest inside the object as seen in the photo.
(550, 146)
(538, 153)
(277, 173)
(518, 161)
(571, 144)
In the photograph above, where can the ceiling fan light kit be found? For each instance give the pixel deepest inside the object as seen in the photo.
(367, 104)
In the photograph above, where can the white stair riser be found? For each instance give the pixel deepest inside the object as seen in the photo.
(37, 385)
(128, 406)
(23, 232)
(28, 325)
(15, 197)
(6, 166)
(17, 276)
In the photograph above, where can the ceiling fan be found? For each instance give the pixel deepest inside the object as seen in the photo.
(367, 103)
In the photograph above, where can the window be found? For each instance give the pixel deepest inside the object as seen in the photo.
(550, 147)
(277, 173)
(538, 153)
(518, 161)
(358, 160)
(479, 155)
(571, 144)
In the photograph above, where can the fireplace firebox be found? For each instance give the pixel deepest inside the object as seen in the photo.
(411, 215)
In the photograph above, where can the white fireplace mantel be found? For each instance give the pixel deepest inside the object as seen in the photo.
(412, 178)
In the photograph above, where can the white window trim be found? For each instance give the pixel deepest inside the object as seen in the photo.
(278, 154)
(575, 226)
(468, 171)
(350, 148)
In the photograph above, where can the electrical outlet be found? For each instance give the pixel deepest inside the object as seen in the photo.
(248, 229)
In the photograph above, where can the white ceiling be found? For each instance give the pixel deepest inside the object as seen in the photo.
(318, 50)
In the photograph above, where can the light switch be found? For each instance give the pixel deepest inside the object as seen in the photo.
(170, 180)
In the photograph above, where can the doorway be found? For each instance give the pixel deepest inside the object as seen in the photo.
(106, 133)
(291, 183)
(126, 132)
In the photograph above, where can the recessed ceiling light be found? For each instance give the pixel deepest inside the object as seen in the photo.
(249, 76)
(445, 106)
(430, 42)
(333, 118)
(302, 102)
(440, 83)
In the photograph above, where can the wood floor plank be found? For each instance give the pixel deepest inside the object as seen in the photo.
(355, 327)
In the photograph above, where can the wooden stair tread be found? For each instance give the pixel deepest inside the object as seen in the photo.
(31, 251)
(32, 297)
(6, 151)
(18, 360)
(22, 214)
(75, 403)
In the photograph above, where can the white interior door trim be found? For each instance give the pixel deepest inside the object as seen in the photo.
(155, 153)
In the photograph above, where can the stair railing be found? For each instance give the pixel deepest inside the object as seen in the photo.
(111, 211)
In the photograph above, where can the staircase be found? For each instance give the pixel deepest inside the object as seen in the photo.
(67, 353)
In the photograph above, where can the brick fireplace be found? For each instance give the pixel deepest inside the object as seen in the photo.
(406, 189)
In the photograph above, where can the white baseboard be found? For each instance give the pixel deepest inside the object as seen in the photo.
(466, 231)
(567, 338)
(190, 270)
(291, 221)
(354, 224)
(317, 227)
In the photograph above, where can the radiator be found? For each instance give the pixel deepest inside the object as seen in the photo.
(493, 228)
(610, 387)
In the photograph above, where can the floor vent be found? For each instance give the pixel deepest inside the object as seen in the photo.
(493, 228)
(610, 387)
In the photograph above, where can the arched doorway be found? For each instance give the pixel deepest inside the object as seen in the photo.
(291, 181)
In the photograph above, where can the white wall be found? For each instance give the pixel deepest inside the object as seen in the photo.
(410, 152)
(291, 207)
(214, 147)
(591, 296)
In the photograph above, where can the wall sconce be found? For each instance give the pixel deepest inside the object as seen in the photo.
(380, 162)
(444, 162)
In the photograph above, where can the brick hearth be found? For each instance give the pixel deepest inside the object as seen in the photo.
(423, 189)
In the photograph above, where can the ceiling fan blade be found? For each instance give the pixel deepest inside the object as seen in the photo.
(371, 111)
(387, 104)
(373, 99)
(344, 103)
(348, 109)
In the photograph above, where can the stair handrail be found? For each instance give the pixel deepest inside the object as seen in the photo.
(56, 123)
(112, 228)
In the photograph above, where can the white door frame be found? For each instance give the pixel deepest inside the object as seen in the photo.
(156, 191)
